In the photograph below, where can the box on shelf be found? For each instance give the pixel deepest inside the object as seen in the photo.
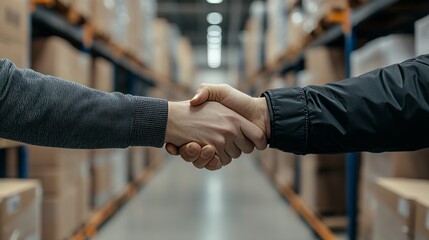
(421, 231)
(155, 155)
(101, 190)
(185, 62)
(14, 31)
(322, 181)
(103, 16)
(324, 65)
(161, 50)
(64, 175)
(378, 53)
(137, 161)
(285, 170)
(422, 35)
(396, 207)
(103, 75)
(55, 56)
(379, 165)
(20, 204)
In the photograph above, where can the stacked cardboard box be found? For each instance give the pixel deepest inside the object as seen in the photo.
(276, 35)
(14, 31)
(253, 38)
(109, 170)
(103, 75)
(64, 175)
(137, 161)
(285, 169)
(103, 16)
(20, 203)
(185, 64)
(322, 181)
(55, 56)
(161, 50)
(376, 166)
(397, 201)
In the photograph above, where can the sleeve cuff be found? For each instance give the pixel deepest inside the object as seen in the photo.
(149, 122)
(289, 119)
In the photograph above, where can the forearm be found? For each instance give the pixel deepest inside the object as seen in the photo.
(48, 111)
(385, 110)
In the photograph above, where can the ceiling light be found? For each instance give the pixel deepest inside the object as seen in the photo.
(214, 18)
(214, 1)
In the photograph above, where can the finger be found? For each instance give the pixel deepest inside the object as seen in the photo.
(207, 154)
(190, 152)
(172, 149)
(244, 144)
(232, 150)
(224, 158)
(214, 164)
(254, 134)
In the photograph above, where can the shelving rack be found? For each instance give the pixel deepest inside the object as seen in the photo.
(131, 77)
(365, 23)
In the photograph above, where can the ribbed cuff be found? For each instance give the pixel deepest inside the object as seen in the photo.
(289, 119)
(149, 122)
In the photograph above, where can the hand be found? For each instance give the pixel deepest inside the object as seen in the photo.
(212, 124)
(254, 109)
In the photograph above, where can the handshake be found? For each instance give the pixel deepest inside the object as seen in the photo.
(216, 126)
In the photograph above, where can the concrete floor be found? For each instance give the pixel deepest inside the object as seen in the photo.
(184, 203)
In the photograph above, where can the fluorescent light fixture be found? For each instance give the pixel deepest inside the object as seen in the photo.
(214, 56)
(214, 1)
(214, 46)
(297, 17)
(214, 18)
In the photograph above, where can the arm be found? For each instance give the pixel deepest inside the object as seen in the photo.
(384, 110)
(48, 111)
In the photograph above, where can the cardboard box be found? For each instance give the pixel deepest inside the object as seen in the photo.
(103, 75)
(396, 208)
(103, 16)
(137, 161)
(322, 183)
(59, 216)
(421, 231)
(421, 35)
(161, 50)
(119, 173)
(54, 158)
(285, 171)
(378, 53)
(101, 188)
(20, 203)
(14, 31)
(325, 65)
(55, 56)
(378, 165)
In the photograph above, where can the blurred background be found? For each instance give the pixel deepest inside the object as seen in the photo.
(165, 49)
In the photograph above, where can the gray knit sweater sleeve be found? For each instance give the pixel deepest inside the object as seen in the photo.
(48, 111)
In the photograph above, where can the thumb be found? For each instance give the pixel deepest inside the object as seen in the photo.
(201, 97)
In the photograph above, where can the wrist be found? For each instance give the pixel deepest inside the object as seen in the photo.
(264, 115)
(170, 132)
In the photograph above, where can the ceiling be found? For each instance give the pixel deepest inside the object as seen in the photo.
(190, 16)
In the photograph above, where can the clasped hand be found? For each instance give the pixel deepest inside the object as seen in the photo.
(216, 126)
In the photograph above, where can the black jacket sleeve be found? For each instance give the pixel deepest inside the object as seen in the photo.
(384, 110)
(48, 111)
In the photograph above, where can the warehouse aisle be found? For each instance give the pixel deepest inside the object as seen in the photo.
(182, 202)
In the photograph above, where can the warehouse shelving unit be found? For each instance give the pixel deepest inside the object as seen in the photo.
(355, 28)
(131, 77)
